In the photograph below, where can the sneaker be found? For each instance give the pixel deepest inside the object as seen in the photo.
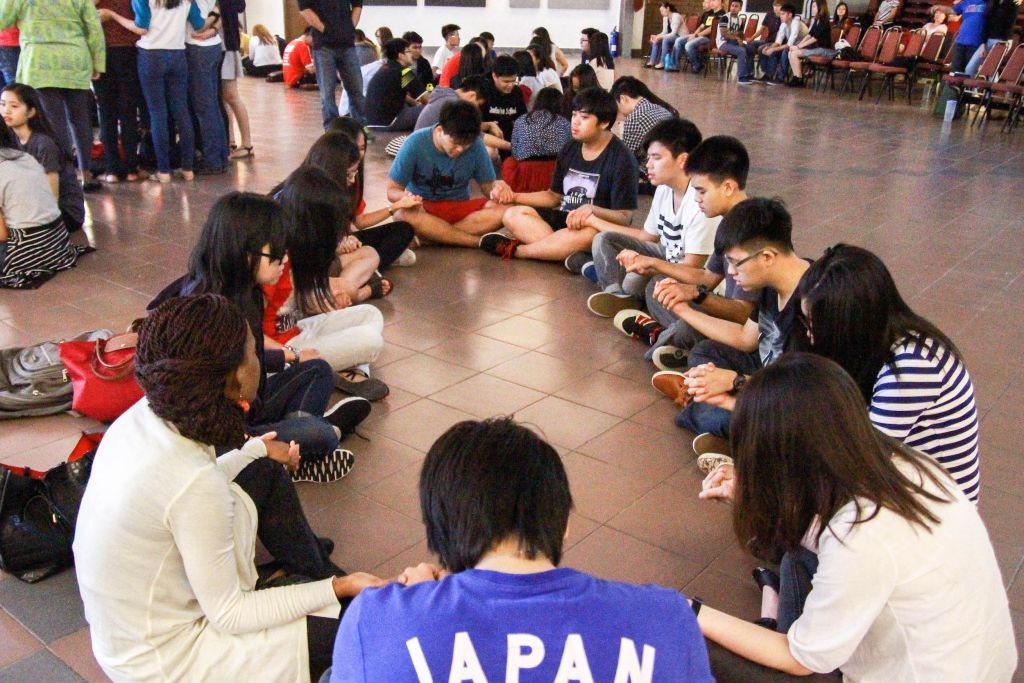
(589, 271)
(771, 81)
(711, 452)
(670, 358)
(744, 81)
(575, 261)
(407, 258)
(638, 325)
(608, 305)
(672, 384)
(336, 465)
(347, 413)
(709, 462)
(499, 245)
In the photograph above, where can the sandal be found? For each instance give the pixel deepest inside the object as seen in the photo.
(766, 577)
(241, 152)
(378, 288)
(355, 382)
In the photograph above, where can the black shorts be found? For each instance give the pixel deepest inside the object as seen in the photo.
(553, 217)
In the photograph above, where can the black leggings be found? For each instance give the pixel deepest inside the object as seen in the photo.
(320, 635)
(282, 525)
(390, 240)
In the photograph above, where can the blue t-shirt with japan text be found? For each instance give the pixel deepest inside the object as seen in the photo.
(425, 170)
(490, 626)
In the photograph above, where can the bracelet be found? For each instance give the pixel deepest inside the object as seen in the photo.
(391, 210)
(695, 604)
(294, 352)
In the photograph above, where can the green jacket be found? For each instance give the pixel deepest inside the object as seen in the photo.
(61, 41)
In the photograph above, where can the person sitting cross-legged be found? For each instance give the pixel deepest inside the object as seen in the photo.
(495, 501)
(676, 230)
(438, 164)
(595, 175)
(395, 96)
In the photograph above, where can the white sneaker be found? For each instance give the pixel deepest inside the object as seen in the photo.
(408, 258)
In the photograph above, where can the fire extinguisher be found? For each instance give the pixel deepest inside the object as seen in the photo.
(613, 40)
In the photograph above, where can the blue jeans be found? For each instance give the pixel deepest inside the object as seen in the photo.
(693, 46)
(978, 58)
(293, 403)
(700, 417)
(163, 75)
(673, 51)
(660, 48)
(9, 63)
(204, 94)
(742, 59)
(330, 62)
(775, 65)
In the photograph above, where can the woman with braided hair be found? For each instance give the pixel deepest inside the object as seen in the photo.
(241, 249)
(165, 540)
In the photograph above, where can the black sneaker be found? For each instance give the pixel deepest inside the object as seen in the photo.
(638, 325)
(575, 261)
(336, 465)
(91, 186)
(347, 413)
(670, 358)
(795, 82)
(499, 245)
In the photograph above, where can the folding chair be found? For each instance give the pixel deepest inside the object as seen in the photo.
(890, 71)
(867, 50)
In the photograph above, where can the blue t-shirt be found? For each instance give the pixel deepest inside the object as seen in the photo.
(425, 170)
(972, 26)
(482, 625)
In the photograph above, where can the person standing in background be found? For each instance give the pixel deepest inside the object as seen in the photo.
(10, 48)
(334, 23)
(230, 72)
(119, 97)
(204, 55)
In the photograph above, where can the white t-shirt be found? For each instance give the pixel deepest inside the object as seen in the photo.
(893, 602)
(205, 7)
(262, 54)
(25, 197)
(686, 231)
(549, 79)
(442, 55)
(166, 29)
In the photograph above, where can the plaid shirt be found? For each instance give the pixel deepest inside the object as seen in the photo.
(638, 124)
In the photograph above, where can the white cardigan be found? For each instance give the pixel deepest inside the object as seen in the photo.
(164, 551)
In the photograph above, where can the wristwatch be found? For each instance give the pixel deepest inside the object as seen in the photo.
(294, 352)
(739, 382)
(702, 293)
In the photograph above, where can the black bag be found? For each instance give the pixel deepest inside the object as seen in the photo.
(849, 54)
(38, 513)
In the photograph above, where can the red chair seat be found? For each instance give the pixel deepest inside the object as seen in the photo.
(820, 59)
(531, 175)
(886, 69)
(1011, 88)
(955, 81)
(976, 83)
(841, 63)
(860, 65)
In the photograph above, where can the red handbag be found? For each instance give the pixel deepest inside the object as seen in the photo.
(102, 375)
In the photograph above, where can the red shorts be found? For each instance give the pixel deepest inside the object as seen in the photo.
(453, 210)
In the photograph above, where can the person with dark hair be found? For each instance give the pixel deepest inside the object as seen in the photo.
(676, 237)
(909, 373)
(528, 81)
(334, 23)
(537, 140)
(792, 30)
(561, 63)
(766, 34)
(640, 110)
(585, 35)
(544, 66)
(817, 43)
(22, 110)
(732, 41)
(495, 502)
(699, 40)
(421, 63)
(755, 238)
(395, 95)
(365, 48)
(384, 36)
(437, 164)
(119, 98)
(841, 18)
(450, 36)
(166, 535)
(230, 72)
(906, 585)
(299, 69)
(472, 89)
(488, 44)
(599, 58)
(580, 78)
(505, 101)
(241, 249)
(34, 243)
(595, 176)
(662, 43)
(471, 61)
(1000, 24)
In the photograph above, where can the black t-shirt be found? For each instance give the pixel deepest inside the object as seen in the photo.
(385, 95)
(775, 327)
(337, 17)
(821, 31)
(1001, 18)
(424, 70)
(502, 108)
(609, 181)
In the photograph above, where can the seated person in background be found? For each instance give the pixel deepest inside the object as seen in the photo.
(939, 23)
(422, 64)
(767, 33)
(841, 18)
(701, 38)
(366, 49)
(662, 43)
(561, 63)
(730, 41)
(495, 501)
(886, 15)
(473, 89)
(299, 68)
(438, 164)
(474, 62)
(537, 137)
(488, 44)
(395, 95)
(595, 176)
(887, 571)
(264, 58)
(166, 536)
(817, 43)
(756, 239)
(544, 65)
(676, 236)
(580, 78)
(504, 100)
(450, 36)
(528, 81)
(383, 35)
(640, 110)
(774, 64)
(600, 59)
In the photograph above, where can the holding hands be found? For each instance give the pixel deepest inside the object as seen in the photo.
(719, 485)
(502, 193)
(285, 453)
(577, 218)
(672, 293)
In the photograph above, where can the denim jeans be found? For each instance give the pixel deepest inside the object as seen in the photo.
(119, 97)
(163, 75)
(330, 62)
(204, 95)
(693, 46)
(68, 111)
(293, 404)
(961, 56)
(9, 63)
(978, 58)
(673, 55)
(775, 65)
(660, 48)
(611, 276)
(742, 59)
(700, 417)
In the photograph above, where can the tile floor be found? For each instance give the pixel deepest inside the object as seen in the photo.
(471, 336)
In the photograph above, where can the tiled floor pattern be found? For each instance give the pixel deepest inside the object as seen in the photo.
(471, 336)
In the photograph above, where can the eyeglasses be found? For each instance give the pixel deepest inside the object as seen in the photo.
(736, 264)
(270, 257)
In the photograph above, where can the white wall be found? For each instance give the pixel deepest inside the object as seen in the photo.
(270, 13)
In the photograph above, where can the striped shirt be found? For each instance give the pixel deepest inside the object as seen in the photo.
(926, 400)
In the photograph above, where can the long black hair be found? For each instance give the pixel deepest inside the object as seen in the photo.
(587, 78)
(631, 86)
(541, 51)
(10, 147)
(346, 125)
(600, 51)
(37, 121)
(548, 101)
(856, 316)
(525, 62)
(226, 256)
(334, 154)
(317, 212)
(472, 61)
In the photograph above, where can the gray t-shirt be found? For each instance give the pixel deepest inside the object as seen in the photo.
(25, 197)
(716, 264)
(48, 153)
(428, 118)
